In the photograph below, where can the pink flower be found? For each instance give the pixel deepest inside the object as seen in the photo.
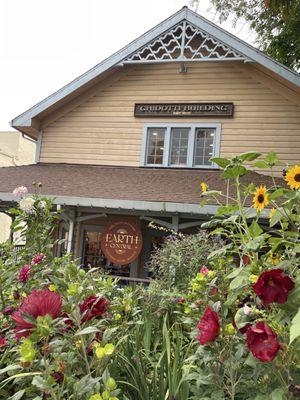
(204, 270)
(37, 258)
(246, 309)
(20, 191)
(3, 341)
(37, 304)
(24, 273)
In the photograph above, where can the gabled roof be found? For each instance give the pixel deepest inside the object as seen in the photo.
(217, 44)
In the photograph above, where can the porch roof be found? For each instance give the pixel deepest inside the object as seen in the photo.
(153, 189)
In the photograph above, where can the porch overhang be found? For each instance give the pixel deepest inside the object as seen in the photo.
(124, 205)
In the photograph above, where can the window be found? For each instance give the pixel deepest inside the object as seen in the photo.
(181, 145)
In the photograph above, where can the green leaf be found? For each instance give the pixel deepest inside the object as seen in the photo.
(223, 210)
(255, 229)
(40, 383)
(276, 217)
(221, 162)
(295, 327)
(249, 156)
(277, 193)
(240, 281)
(234, 172)
(261, 165)
(271, 158)
(9, 368)
(277, 394)
(18, 395)
(87, 331)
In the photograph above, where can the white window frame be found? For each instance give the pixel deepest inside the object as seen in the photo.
(191, 144)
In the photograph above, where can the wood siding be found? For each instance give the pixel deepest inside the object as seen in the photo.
(99, 127)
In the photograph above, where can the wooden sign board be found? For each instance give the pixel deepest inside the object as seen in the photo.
(122, 242)
(183, 110)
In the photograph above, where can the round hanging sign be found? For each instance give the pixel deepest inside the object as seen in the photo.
(122, 242)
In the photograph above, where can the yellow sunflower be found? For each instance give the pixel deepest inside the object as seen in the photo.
(204, 187)
(260, 199)
(292, 177)
(274, 258)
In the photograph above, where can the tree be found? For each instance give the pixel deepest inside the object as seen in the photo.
(276, 23)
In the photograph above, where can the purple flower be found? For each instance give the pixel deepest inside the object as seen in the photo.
(24, 273)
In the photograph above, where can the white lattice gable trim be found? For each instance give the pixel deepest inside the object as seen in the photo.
(184, 42)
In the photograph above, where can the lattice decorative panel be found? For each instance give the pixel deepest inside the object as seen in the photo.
(184, 42)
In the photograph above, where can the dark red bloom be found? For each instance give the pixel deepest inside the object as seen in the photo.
(262, 342)
(58, 376)
(37, 258)
(3, 341)
(8, 310)
(273, 286)
(213, 290)
(37, 303)
(246, 259)
(244, 329)
(70, 324)
(208, 326)
(24, 273)
(92, 307)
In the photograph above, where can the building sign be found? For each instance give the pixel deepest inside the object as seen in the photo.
(183, 110)
(122, 242)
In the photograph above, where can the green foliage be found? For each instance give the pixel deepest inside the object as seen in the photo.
(276, 23)
(146, 344)
(180, 258)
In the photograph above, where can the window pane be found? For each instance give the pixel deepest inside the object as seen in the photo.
(204, 143)
(179, 146)
(155, 145)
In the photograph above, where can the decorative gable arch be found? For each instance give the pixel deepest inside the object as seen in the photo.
(184, 42)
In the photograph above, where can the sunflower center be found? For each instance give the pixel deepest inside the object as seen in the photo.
(297, 178)
(260, 198)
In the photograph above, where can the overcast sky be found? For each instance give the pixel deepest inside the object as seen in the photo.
(44, 44)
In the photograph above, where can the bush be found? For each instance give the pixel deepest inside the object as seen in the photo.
(181, 257)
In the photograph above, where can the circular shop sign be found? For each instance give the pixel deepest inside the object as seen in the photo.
(122, 242)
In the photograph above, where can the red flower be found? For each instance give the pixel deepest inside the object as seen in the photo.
(262, 342)
(208, 326)
(37, 258)
(3, 341)
(37, 303)
(92, 307)
(273, 286)
(246, 259)
(24, 273)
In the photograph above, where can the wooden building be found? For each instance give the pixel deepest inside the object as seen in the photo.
(130, 140)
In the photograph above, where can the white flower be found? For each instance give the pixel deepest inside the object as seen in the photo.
(42, 204)
(217, 305)
(246, 309)
(27, 205)
(20, 191)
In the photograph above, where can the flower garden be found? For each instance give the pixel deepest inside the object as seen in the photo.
(219, 320)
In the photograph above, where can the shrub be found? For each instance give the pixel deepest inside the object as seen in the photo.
(180, 258)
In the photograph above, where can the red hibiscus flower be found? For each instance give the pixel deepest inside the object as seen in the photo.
(273, 286)
(3, 342)
(92, 307)
(24, 273)
(262, 342)
(208, 326)
(37, 304)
